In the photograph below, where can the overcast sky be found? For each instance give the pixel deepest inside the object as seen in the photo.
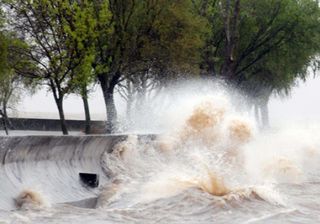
(304, 104)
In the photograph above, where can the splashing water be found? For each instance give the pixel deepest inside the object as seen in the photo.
(208, 162)
(30, 199)
(212, 149)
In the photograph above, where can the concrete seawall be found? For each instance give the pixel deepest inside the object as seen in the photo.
(51, 165)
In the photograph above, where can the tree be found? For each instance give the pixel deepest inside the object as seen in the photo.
(5, 83)
(261, 46)
(12, 85)
(84, 44)
(139, 37)
(82, 87)
(59, 34)
(279, 69)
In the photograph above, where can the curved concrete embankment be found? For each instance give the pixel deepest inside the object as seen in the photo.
(51, 165)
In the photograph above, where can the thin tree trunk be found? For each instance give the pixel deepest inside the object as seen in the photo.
(87, 113)
(265, 115)
(58, 98)
(129, 102)
(6, 117)
(63, 124)
(5, 126)
(129, 110)
(141, 100)
(203, 8)
(231, 20)
(4, 123)
(256, 113)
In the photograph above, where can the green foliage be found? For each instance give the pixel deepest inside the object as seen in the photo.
(277, 41)
(11, 84)
(102, 16)
(81, 34)
(3, 54)
(265, 44)
(176, 36)
(298, 46)
(61, 38)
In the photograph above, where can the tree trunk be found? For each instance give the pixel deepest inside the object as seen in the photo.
(6, 117)
(129, 110)
(141, 99)
(110, 107)
(111, 110)
(87, 114)
(63, 124)
(256, 114)
(5, 126)
(265, 115)
(231, 20)
(107, 87)
(58, 98)
(4, 123)
(129, 102)
(227, 69)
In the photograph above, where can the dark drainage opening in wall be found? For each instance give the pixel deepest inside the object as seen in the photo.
(89, 179)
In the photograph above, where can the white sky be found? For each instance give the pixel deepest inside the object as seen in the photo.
(42, 104)
(303, 104)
